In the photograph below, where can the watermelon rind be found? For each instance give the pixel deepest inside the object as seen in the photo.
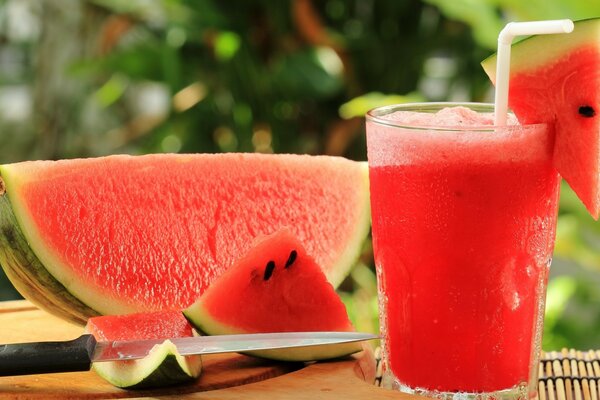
(205, 323)
(362, 228)
(163, 366)
(41, 277)
(30, 277)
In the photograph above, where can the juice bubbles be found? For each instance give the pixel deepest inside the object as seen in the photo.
(463, 230)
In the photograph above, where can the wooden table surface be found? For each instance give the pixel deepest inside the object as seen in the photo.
(224, 376)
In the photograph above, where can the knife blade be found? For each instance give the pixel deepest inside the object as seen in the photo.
(78, 354)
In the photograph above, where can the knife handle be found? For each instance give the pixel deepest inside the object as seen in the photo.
(44, 357)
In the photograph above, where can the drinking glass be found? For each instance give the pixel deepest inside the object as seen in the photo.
(464, 221)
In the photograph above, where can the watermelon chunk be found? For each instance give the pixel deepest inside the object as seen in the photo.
(163, 366)
(275, 287)
(125, 234)
(556, 79)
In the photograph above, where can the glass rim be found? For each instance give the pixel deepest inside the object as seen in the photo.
(489, 107)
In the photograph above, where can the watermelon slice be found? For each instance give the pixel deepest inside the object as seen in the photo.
(275, 287)
(556, 79)
(125, 234)
(163, 366)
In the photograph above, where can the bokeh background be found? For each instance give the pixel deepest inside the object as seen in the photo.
(82, 78)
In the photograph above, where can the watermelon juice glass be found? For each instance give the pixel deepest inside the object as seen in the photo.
(464, 223)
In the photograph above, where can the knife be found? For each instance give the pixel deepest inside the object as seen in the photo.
(78, 354)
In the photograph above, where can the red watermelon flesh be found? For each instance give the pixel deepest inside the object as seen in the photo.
(154, 325)
(275, 287)
(128, 234)
(556, 79)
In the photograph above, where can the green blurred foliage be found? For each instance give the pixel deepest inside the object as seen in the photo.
(236, 76)
(100, 77)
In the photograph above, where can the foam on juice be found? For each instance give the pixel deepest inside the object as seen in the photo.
(462, 135)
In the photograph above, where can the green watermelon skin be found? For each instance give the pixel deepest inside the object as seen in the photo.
(163, 366)
(275, 287)
(556, 79)
(125, 234)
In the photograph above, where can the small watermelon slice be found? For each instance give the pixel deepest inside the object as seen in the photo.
(556, 79)
(275, 287)
(163, 366)
(125, 234)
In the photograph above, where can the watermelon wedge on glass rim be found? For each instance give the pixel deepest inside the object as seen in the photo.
(556, 79)
(124, 234)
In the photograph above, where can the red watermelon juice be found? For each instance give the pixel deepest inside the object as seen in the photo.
(463, 230)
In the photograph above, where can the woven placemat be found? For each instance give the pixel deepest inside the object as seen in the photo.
(565, 375)
(569, 374)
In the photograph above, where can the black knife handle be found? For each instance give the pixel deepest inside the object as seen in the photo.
(43, 357)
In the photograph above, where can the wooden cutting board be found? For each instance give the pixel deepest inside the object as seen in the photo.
(224, 377)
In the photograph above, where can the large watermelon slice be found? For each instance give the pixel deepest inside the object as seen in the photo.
(275, 287)
(163, 366)
(556, 79)
(125, 234)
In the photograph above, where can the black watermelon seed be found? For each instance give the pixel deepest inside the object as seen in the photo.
(291, 258)
(587, 111)
(269, 270)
